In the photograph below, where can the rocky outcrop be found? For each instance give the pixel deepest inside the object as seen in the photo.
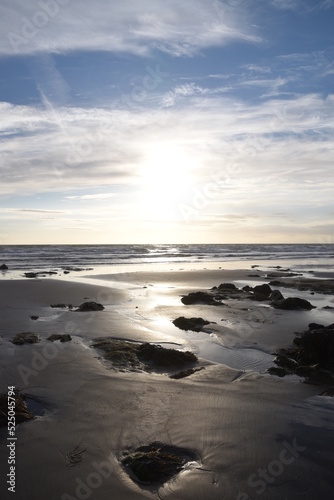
(145, 356)
(200, 298)
(262, 292)
(193, 324)
(156, 463)
(26, 338)
(3, 267)
(311, 356)
(90, 306)
(293, 304)
(65, 337)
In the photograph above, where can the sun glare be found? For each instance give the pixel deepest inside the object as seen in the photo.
(167, 173)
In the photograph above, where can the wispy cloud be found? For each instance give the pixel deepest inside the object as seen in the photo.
(218, 134)
(134, 27)
(101, 196)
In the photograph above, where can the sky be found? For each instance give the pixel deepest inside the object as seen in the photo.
(164, 121)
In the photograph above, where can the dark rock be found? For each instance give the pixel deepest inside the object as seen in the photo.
(293, 304)
(306, 371)
(200, 298)
(67, 272)
(194, 324)
(90, 306)
(315, 326)
(160, 357)
(312, 355)
(26, 338)
(276, 296)
(30, 275)
(34, 317)
(157, 462)
(3, 267)
(276, 370)
(125, 354)
(227, 286)
(65, 337)
(61, 306)
(276, 283)
(262, 292)
(247, 288)
(285, 362)
(21, 411)
(328, 308)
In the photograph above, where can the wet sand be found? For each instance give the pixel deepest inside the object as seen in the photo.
(255, 435)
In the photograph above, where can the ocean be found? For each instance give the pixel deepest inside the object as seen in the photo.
(42, 257)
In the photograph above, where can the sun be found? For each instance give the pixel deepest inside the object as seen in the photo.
(167, 178)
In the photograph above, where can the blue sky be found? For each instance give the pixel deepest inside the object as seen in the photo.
(162, 121)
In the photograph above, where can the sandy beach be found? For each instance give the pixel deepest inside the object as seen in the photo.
(251, 434)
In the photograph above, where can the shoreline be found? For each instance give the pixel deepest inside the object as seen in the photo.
(237, 418)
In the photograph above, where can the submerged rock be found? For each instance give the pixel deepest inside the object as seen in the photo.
(26, 338)
(194, 324)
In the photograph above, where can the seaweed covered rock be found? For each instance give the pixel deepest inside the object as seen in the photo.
(21, 411)
(194, 324)
(157, 356)
(293, 304)
(90, 306)
(26, 338)
(200, 298)
(156, 463)
(145, 356)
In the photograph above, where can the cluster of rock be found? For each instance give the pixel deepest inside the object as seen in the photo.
(263, 292)
(312, 354)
